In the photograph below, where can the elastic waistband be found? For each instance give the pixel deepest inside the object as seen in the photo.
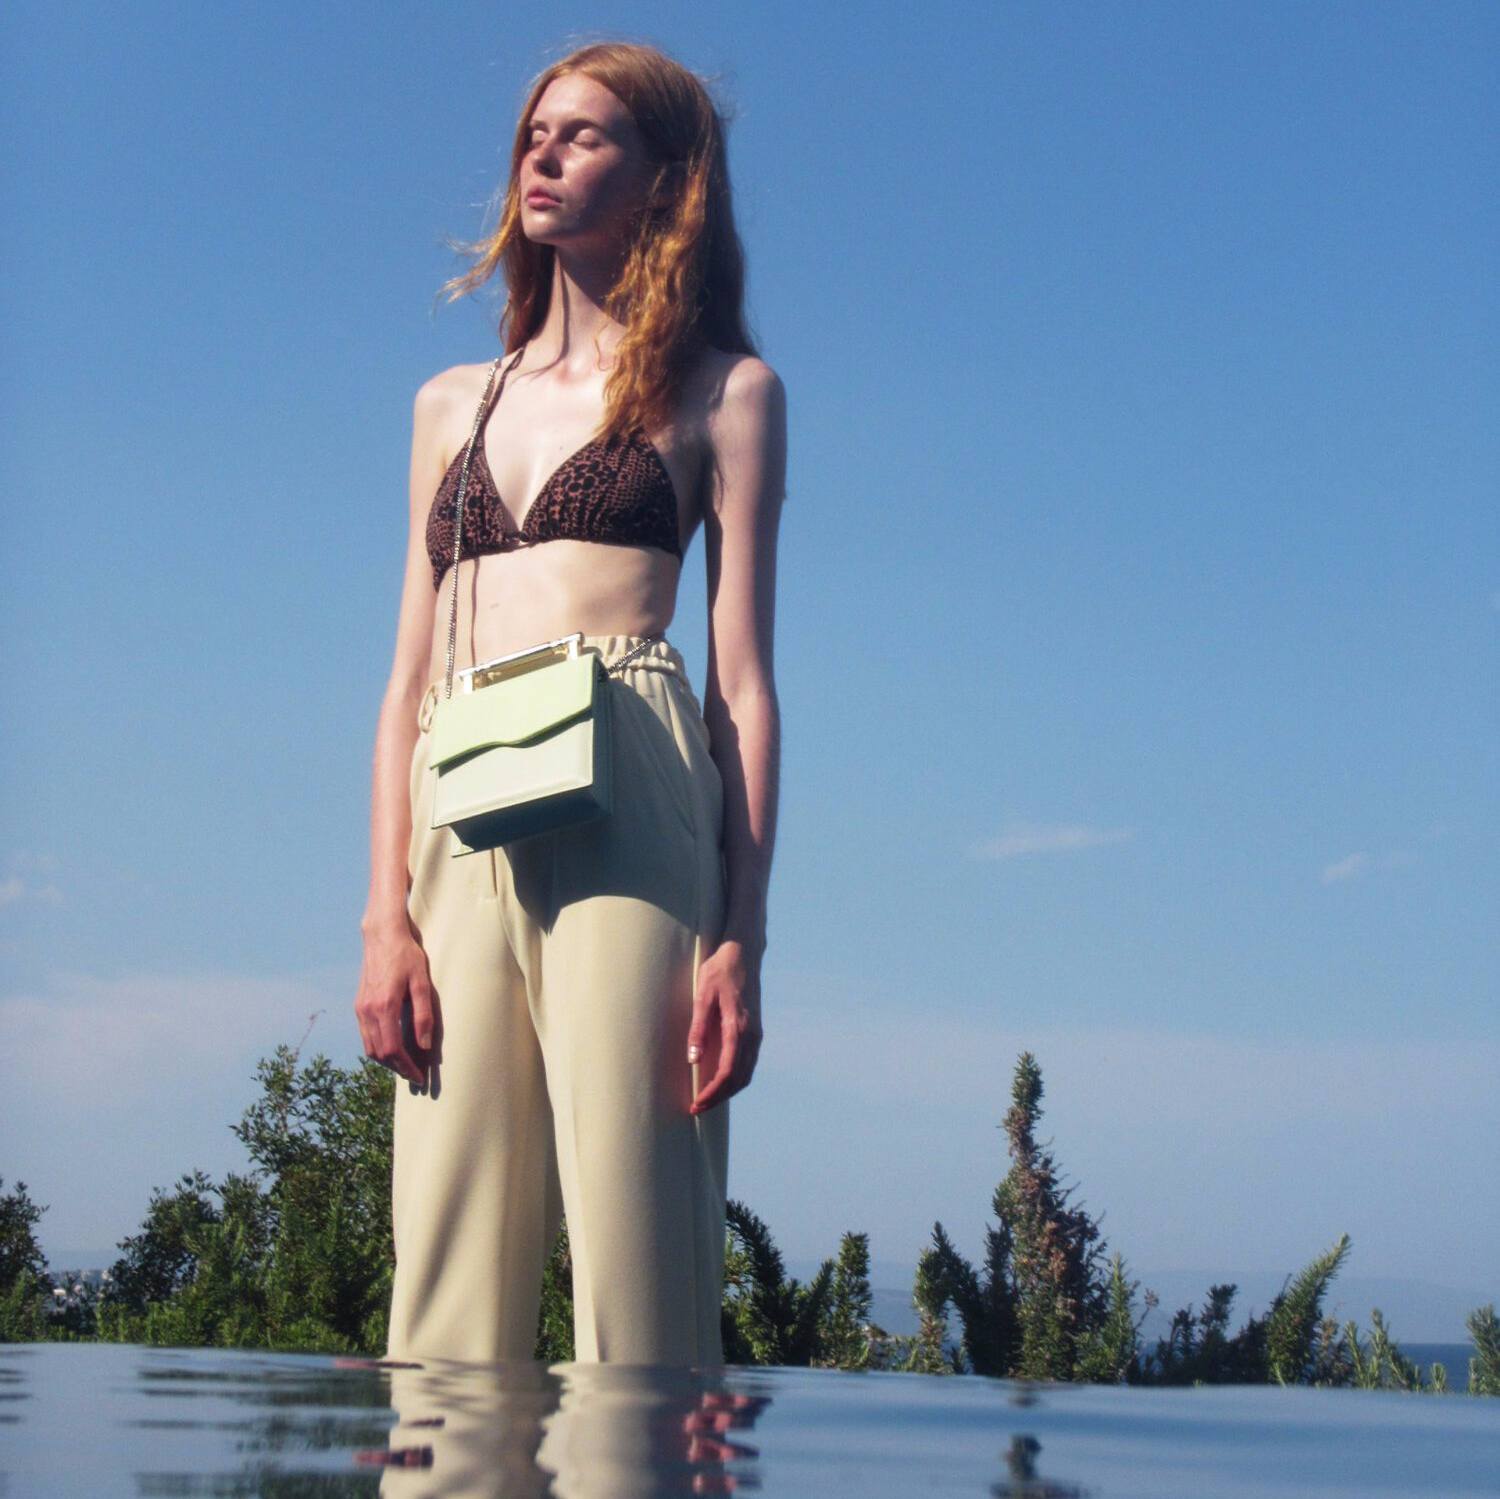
(657, 656)
(653, 656)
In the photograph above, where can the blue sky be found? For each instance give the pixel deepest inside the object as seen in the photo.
(1140, 589)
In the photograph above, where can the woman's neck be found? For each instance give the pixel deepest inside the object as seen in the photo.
(577, 332)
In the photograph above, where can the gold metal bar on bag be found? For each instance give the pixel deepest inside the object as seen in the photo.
(487, 673)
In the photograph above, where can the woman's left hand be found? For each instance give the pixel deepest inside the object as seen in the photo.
(724, 1038)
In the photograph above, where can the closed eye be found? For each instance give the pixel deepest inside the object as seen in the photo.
(584, 132)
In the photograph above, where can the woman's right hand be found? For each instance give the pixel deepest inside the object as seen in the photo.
(398, 1014)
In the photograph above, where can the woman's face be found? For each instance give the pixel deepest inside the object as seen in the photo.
(586, 169)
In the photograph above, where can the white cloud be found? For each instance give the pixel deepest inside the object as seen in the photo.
(1348, 868)
(1048, 838)
(30, 879)
(14, 890)
(1354, 865)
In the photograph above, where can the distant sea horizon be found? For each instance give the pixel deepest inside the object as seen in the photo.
(1420, 1314)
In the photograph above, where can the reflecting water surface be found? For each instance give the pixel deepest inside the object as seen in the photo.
(87, 1419)
(605, 1430)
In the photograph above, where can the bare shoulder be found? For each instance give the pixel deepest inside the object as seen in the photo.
(736, 388)
(748, 379)
(458, 385)
(443, 408)
(740, 404)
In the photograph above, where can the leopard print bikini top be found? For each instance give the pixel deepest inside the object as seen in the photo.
(614, 489)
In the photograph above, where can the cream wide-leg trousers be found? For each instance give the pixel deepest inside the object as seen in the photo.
(564, 967)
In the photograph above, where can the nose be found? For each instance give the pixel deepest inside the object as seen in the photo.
(544, 158)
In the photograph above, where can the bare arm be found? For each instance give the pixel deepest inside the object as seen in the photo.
(748, 436)
(394, 973)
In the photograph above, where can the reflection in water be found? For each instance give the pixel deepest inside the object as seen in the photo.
(577, 1431)
(108, 1419)
(1024, 1482)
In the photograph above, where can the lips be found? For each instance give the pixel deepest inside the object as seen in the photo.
(537, 198)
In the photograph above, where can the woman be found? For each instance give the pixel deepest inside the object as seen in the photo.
(573, 1011)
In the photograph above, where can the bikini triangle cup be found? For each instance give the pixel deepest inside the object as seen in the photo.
(614, 490)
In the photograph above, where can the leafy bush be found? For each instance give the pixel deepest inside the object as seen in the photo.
(296, 1255)
(25, 1287)
(768, 1318)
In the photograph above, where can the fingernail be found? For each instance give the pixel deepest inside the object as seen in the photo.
(692, 1053)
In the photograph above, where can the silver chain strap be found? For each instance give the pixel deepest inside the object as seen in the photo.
(631, 654)
(458, 529)
(458, 509)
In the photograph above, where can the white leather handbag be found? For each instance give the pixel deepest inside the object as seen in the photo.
(523, 747)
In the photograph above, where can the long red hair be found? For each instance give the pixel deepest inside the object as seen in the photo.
(682, 284)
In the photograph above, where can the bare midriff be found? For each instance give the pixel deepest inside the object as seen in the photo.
(529, 594)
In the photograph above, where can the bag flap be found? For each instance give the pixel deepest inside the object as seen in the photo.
(514, 711)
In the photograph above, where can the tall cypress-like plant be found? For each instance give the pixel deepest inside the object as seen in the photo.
(1060, 1296)
(927, 1352)
(1041, 1298)
(1111, 1353)
(1292, 1322)
(1484, 1367)
(986, 1304)
(846, 1341)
